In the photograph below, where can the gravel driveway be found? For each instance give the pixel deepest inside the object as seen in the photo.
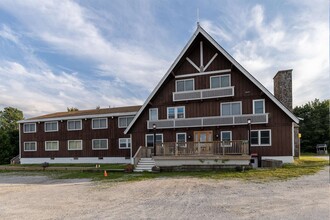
(38, 197)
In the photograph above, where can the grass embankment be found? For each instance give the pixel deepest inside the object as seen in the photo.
(302, 166)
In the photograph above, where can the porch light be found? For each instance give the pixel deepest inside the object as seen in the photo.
(249, 124)
(154, 127)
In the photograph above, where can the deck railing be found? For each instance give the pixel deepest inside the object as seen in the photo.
(236, 147)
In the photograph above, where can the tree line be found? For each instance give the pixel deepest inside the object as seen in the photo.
(314, 124)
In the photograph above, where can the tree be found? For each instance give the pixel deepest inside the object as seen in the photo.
(314, 127)
(9, 141)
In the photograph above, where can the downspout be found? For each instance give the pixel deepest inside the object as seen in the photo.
(131, 150)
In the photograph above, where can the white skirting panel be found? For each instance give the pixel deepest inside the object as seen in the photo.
(94, 160)
(284, 159)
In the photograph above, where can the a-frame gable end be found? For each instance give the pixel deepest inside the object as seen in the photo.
(183, 67)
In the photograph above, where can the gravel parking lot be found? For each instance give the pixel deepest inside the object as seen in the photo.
(39, 197)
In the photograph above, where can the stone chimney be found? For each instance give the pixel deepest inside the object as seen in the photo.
(283, 87)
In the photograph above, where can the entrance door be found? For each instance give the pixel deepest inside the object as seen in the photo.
(203, 141)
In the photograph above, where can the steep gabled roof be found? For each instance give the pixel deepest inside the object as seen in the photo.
(201, 31)
(104, 112)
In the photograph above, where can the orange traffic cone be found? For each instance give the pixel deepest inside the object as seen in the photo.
(105, 173)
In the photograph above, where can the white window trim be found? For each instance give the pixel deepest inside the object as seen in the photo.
(220, 80)
(231, 103)
(74, 129)
(150, 112)
(35, 128)
(253, 105)
(153, 136)
(126, 143)
(29, 142)
(100, 139)
(231, 138)
(126, 121)
(48, 122)
(106, 123)
(75, 149)
(176, 112)
(259, 138)
(185, 139)
(176, 84)
(52, 149)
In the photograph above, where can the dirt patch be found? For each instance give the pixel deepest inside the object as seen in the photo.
(39, 197)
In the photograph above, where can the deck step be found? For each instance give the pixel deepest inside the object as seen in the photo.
(145, 165)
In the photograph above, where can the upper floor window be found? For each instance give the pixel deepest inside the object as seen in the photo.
(51, 126)
(261, 138)
(219, 81)
(51, 145)
(150, 139)
(123, 122)
(29, 128)
(100, 144)
(153, 114)
(185, 85)
(175, 112)
(75, 145)
(259, 106)
(231, 108)
(74, 125)
(30, 146)
(99, 123)
(124, 143)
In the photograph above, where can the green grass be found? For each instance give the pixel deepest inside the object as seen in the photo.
(303, 166)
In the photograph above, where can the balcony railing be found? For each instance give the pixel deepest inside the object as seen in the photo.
(236, 147)
(203, 94)
(209, 121)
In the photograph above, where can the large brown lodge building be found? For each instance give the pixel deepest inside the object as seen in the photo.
(205, 96)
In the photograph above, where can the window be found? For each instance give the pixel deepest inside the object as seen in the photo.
(51, 145)
(75, 145)
(123, 122)
(29, 128)
(226, 138)
(175, 112)
(51, 126)
(219, 81)
(185, 85)
(261, 138)
(231, 108)
(30, 146)
(124, 143)
(74, 125)
(100, 144)
(150, 139)
(99, 123)
(181, 139)
(153, 114)
(259, 106)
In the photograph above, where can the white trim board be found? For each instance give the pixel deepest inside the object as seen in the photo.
(200, 30)
(78, 117)
(56, 160)
(284, 159)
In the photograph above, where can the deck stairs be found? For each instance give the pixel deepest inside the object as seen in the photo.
(145, 165)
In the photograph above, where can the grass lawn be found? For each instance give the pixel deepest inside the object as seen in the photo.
(303, 166)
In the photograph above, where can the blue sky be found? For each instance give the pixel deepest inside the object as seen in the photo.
(58, 54)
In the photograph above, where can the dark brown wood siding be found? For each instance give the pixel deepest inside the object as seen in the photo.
(87, 134)
(245, 91)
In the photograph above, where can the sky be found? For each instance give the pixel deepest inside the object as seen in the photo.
(58, 54)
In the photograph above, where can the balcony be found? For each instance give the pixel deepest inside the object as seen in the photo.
(209, 121)
(203, 94)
